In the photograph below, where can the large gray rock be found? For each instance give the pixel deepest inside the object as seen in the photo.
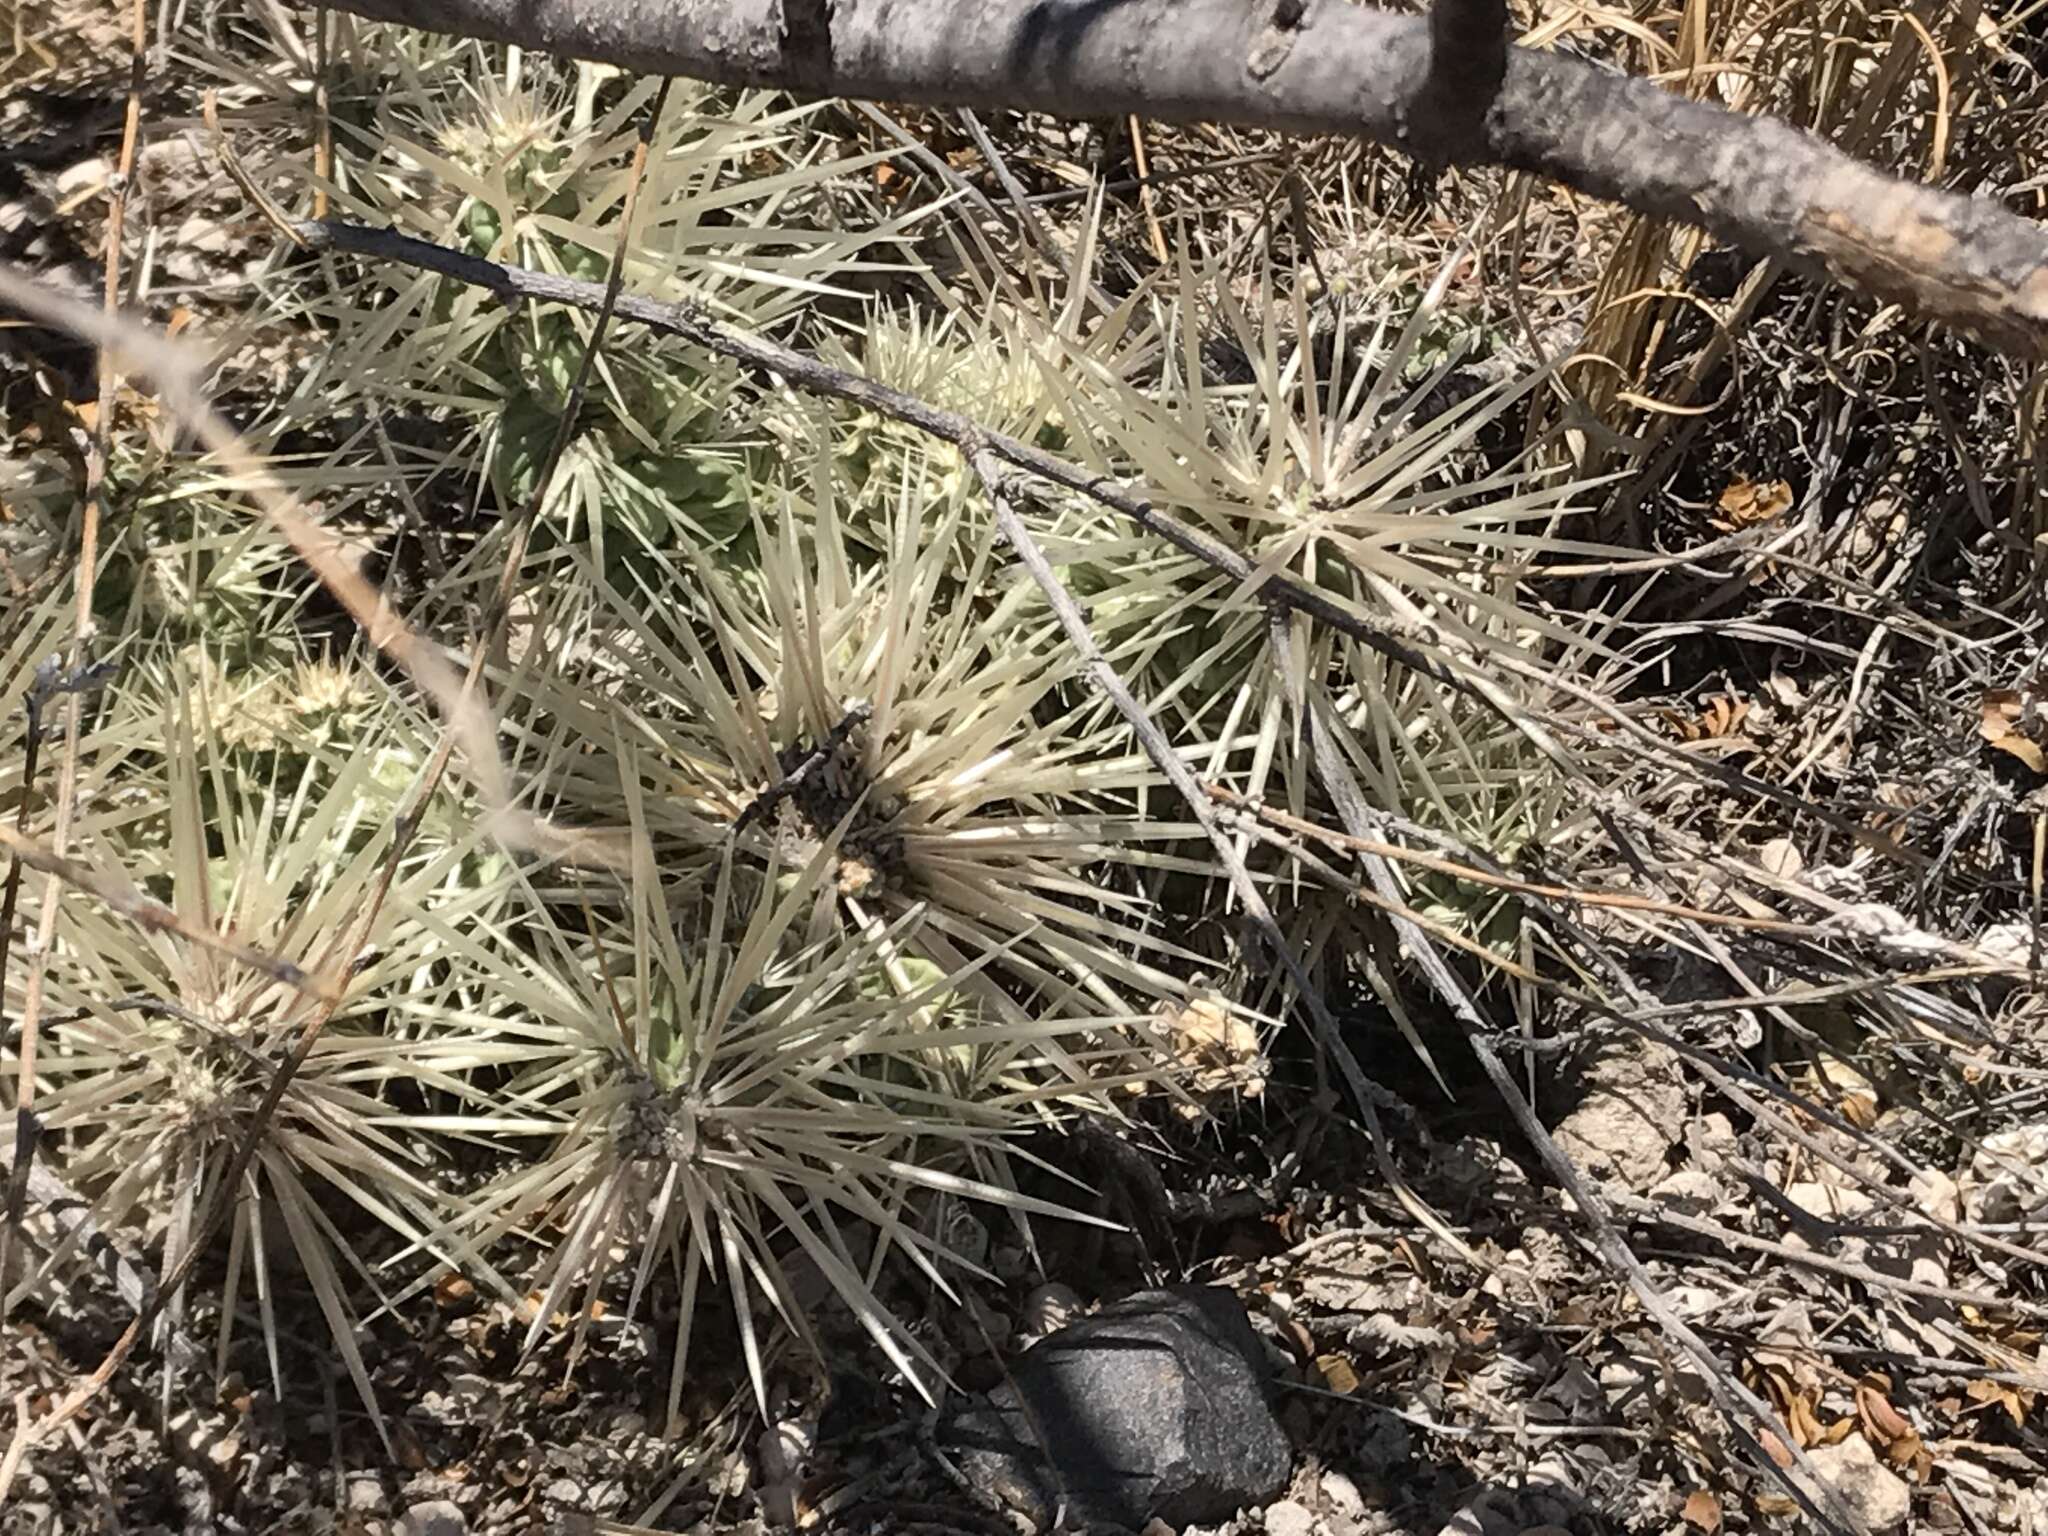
(1152, 1408)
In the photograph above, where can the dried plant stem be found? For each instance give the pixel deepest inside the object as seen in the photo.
(154, 915)
(1626, 901)
(1147, 199)
(323, 123)
(1409, 644)
(1653, 1213)
(73, 703)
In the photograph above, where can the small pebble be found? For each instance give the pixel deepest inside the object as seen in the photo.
(1346, 1503)
(1047, 1310)
(436, 1517)
(1289, 1518)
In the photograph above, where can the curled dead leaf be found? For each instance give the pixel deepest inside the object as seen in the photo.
(2012, 723)
(1720, 718)
(1702, 1511)
(1746, 503)
(1881, 1421)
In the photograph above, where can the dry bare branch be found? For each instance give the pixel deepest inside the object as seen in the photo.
(1328, 66)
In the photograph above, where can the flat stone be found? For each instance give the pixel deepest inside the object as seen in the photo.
(1875, 1494)
(1631, 1111)
(1153, 1406)
(1346, 1503)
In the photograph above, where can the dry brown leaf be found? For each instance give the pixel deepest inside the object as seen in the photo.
(1798, 1408)
(1881, 1421)
(1905, 1451)
(2016, 1401)
(893, 185)
(1702, 1511)
(2006, 725)
(1746, 503)
(1855, 1095)
(1720, 717)
(1221, 1046)
(406, 1447)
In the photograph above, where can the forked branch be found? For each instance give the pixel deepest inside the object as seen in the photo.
(1332, 66)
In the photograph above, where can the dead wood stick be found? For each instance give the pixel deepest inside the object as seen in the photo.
(1329, 66)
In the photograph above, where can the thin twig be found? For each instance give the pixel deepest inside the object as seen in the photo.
(1738, 1404)
(1620, 900)
(1651, 1211)
(1147, 202)
(1406, 642)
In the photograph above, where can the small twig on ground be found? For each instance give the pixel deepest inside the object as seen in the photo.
(1653, 1213)
(1619, 900)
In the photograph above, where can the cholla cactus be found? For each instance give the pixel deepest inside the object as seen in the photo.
(720, 1105)
(1334, 455)
(159, 1053)
(736, 212)
(914, 715)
